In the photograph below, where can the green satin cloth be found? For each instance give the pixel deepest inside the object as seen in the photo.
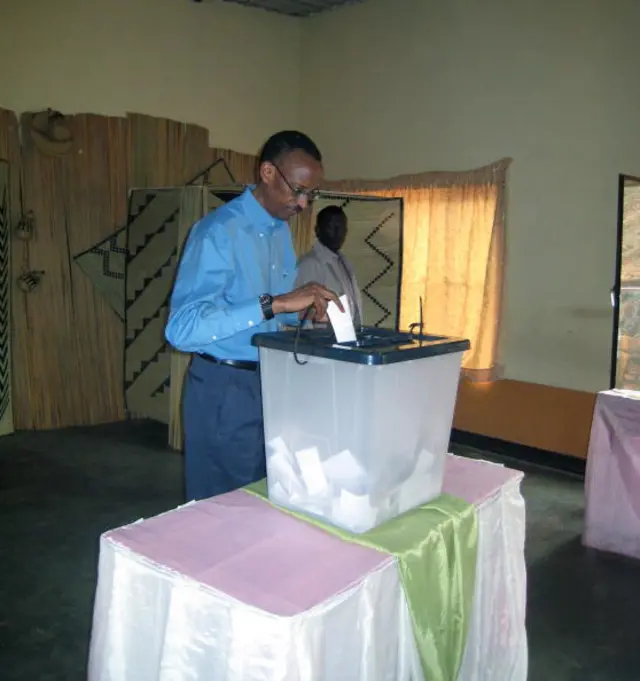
(435, 546)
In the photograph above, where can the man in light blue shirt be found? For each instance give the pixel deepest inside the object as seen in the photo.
(235, 279)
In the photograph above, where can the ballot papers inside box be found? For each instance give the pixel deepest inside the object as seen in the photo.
(357, 433)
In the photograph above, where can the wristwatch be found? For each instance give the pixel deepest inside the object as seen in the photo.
(266, 303)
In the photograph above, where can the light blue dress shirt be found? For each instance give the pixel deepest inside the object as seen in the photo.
(231, 257)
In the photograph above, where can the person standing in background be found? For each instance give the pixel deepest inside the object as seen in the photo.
(235, 279)
(325, 264)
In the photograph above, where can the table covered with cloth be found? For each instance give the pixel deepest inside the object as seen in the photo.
(612, 482)
(233, 588)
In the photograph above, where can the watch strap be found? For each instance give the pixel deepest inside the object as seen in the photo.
(266, 303)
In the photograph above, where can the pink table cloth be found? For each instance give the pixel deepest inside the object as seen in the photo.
(249, 550)
(612, 484)
(231, 588)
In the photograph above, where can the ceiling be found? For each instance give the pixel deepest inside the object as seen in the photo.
(294, 8)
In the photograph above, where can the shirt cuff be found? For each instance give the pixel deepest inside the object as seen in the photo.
(247, 315)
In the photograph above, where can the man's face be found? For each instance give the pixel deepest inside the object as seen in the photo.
(290, 183)
(333, 234)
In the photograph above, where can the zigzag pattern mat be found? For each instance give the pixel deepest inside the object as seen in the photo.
(152, 252)
(154, 242)
(374, 248)
(105, 264)
(6, 412)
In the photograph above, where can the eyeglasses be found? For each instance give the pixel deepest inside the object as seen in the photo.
(298, 192)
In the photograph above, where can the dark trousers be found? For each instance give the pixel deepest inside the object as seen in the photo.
(223, 432)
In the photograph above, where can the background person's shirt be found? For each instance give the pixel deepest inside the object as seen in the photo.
(231, 257)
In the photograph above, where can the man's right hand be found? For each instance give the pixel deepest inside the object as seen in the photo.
(310, 295)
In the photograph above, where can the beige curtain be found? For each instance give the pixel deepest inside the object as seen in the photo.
(453, 255)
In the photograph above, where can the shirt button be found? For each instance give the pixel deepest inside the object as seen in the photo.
(250, 322)
(261, 234)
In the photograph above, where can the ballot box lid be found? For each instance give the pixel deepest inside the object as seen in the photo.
(373, 346)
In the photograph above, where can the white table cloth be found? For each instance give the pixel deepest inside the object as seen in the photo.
(232, 589)
(612, 483)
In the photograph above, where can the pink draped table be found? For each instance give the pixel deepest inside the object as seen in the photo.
(612, 484)
(232, 589)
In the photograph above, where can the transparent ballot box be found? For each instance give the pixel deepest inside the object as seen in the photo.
(357, 433)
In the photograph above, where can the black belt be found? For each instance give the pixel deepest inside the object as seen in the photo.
(235, 363)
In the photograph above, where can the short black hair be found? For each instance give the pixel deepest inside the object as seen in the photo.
(328, 216)
(286, 141)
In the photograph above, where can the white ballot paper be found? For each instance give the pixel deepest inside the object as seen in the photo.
(280, 469)
(344, 469)
(342, 322)
(354, 512)
(312, 471)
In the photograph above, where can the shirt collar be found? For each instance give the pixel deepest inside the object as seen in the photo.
(255, 211)
(324, 252)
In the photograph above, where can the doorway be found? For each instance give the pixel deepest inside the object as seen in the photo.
(625, 361)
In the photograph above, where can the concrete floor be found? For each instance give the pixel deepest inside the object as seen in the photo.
(60, 490)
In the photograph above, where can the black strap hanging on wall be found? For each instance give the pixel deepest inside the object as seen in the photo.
(204, 174)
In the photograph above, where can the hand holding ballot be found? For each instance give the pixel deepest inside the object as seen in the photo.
(311, 295)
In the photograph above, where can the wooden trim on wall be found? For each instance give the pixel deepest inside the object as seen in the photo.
(556, 420)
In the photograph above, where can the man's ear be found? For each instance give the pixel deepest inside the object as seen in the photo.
(266, 171)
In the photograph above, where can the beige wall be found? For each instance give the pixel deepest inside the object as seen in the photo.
(230, 69)
(411, 85)
(390, 87)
